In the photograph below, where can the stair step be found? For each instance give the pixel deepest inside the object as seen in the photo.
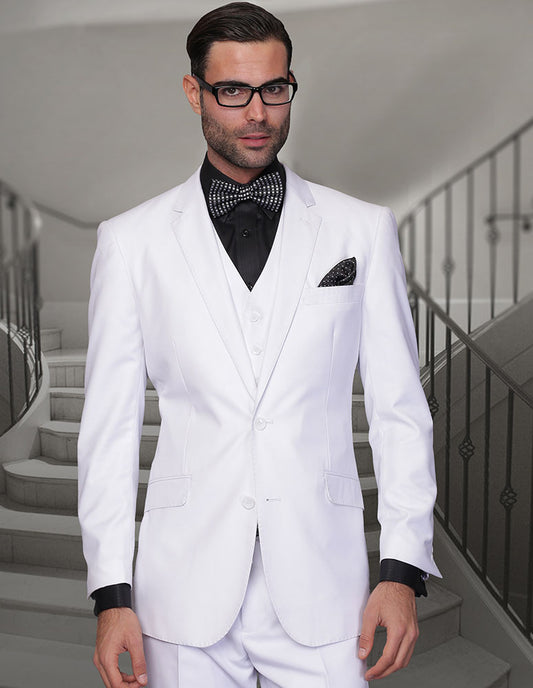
(56, 664)
(438, 618)
(359, 421)
(457, 663)
(66, 403)
(67, 367)
(59, 440)
(50, 339)
(53, 486)
(54, 540)
(45, 606)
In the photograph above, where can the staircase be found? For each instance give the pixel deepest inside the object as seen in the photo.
(47, 628)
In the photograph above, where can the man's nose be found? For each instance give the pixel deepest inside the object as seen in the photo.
(256, 109)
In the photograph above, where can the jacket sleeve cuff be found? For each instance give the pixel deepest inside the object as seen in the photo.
(400, 572)
(118, 595)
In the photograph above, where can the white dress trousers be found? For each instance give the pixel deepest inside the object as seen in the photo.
(255, 646)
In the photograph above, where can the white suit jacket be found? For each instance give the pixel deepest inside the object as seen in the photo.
(234, 452)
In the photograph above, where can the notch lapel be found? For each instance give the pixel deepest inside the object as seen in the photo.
(193, 229)
(300, 226)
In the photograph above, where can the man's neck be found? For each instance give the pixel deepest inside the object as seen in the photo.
(241, 175)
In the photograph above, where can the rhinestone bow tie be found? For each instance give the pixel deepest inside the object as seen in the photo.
(266, 191)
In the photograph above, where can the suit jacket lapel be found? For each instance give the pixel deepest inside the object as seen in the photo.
(196, 236)
(299, 225)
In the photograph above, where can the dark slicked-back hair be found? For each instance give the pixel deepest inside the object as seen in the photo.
(239, 21)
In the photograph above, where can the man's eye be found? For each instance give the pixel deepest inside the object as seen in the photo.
(273, 89)
(230, 91)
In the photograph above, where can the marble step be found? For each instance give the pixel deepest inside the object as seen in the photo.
(38, 538)
(44, 484)
(457, 663)
(66, 403)
(49, 603)
(438, 616)
(56, 664)
(50, 339)
(359, 421)
(59, 441)
(67, 368)
(44, 605)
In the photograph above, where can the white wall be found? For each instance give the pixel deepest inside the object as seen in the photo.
(394, 97)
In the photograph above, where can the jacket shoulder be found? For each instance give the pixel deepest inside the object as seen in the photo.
(332, 202)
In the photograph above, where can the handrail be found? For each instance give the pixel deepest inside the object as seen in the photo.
(483, 419)
(469, 215)
(467, 340)
(20, 302)
(64, 217)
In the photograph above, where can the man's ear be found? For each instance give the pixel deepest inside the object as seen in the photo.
(192, 91)
(291, 75)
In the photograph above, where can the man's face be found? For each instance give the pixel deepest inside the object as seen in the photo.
(242, 141)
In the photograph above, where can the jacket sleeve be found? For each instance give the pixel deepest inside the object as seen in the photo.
(111, 425)
(400, 425)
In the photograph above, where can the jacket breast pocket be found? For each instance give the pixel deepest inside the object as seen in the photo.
(344, 490)
(344, 294)
(163, 493)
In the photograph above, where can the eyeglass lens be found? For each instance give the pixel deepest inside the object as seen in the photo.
(271, 94)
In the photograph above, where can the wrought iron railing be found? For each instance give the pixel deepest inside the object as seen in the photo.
(477, 226)
(483, 426)
(483, 419)
(20, 345)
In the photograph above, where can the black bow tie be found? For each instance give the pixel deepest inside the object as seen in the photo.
(266, 191)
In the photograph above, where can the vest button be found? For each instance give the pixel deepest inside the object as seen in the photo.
(255, 316)
(256, 350)
(246, 233)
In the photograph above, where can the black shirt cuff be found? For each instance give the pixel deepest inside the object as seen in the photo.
(400, 572)
(118, 595)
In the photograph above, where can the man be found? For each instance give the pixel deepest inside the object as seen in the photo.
(249, 296)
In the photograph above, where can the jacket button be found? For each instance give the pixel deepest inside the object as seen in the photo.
(248, 502)
(260, 423)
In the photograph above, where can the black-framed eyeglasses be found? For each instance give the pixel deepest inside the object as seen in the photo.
(239, 95)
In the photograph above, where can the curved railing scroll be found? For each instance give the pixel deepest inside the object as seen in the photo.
(20, 301)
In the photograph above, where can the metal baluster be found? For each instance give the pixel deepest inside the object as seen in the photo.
(508, 498)
(432, 399)
(486, 475)
(529, 604)
(428, 225)
(412, 246)
(448, 265)
(469, 246)
(493, 234)
(516, 213)
(466, 448)
(447, 440)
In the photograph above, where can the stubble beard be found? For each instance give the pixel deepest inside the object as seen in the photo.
(223, 141)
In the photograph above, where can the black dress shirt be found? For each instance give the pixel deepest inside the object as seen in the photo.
(247, 233)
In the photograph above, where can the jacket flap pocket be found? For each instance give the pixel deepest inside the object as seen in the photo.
(167, 492)
(341, 489)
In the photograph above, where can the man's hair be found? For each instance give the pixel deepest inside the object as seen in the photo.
(239, 21)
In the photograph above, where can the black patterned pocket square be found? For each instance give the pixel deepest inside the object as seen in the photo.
(341, 274)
